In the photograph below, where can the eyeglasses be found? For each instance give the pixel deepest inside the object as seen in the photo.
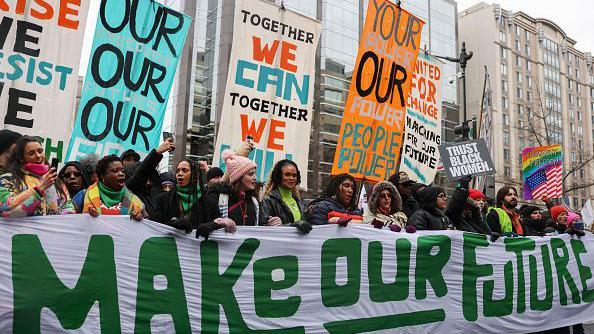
(75, 174)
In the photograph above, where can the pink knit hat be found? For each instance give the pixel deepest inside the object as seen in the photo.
(572, 217)
(237, 166)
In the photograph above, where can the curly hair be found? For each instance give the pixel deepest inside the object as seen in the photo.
(275, 177)
(103, 164)
(331, 190)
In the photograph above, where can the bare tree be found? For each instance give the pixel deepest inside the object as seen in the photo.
(535, 125)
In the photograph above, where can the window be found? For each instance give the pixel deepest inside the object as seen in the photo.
(519, 93)
(578, 88)
(520, 109)
(573, 157)
(502, 37)
(504, 86)
(518, 45)
(579, 102)
(569, 84)
(529, 96)
(527, 49)
(503, 53)
(504, 102)
(518, 31)
(529, 80)
(505, 119)
(503, 69)
(528, 65)
(506, 155)
(580, 130)
(518, 61)
(569, 70)
(527, 35)
(507, 172)
(570, 99)
(579, 116)
(506, 137)
(577, 73)
(518, 77)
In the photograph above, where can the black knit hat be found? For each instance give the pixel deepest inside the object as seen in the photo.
(130, 153)
(214, 172)
(7, 138)
(526, 210)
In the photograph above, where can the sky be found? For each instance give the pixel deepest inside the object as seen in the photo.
(573, 16)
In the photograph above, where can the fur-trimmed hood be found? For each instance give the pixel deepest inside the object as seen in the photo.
(373, 202)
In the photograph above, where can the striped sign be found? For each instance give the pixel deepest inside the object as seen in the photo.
(542, 170)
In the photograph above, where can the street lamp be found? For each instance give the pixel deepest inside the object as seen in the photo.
(462, 60)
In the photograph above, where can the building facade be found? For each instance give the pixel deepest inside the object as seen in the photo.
(542, 93)
(342, 23)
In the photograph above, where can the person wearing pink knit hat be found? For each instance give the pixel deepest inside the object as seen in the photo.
(234, 202)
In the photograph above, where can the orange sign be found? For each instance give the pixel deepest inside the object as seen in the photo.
(373, 119)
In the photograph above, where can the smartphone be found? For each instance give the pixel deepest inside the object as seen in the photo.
(54, 164)
(168, 135)
(249, 138)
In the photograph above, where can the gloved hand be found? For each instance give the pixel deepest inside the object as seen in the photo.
(464, 182)
(394, 228)
(181, 224)
(410, 229)
(343, 221)
(495, 236)
(302, 226)
(573, 231)
(377, 223)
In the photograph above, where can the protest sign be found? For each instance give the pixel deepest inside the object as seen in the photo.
(372, 127)
(134, 57)
(587, 213)
(270, 86)
(466, 158)
(542, 171)
(420, 155)
(40, 47)
(111, 274)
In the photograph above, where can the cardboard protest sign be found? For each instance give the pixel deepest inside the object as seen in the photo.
(373, 120)
(40, 47)
(270, 86)
(466, 158)
(142, 277)
(542, 171)
(133, 61)
(420, 154)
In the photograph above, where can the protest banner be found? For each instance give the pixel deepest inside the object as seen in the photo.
(372, 127)
(133, 60)
(420, 155)
(40, 47)
(542, 171)
(270, 86)
(587, 213)
(466, 158)
(111, 274)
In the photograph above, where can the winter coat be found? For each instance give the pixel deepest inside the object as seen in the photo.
(372, 211)
(167, 210)
(410, 205)
(429, 217)
(212, 210)
(472, 220)
(272, 205)
(534, 227)
(495, 223)
(321, 207)
(145, 171)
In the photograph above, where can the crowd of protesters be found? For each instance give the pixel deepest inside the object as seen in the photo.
(205, 199)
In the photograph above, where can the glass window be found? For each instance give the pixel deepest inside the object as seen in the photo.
(504, 102)
(518, 45)
(504, 86)
(527, 49)
(518, 61)
(505, 119)
(506, 137)
(506, 155)
(502, 37)
(507, 171)
(503, 53)
(528, 65)
(503, 69)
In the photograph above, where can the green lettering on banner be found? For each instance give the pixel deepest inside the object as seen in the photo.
(36, 286)
(158, 256)
(504, 306)
(334, 295)
(429, 266)
(264, 283)
(546, 303)
(217, 289)
(563, 274)
(585, 271)
(384, 292)
(366, 325)
(471, 272)
(518, 245)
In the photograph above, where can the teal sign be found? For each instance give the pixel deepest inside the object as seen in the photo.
(135, 52)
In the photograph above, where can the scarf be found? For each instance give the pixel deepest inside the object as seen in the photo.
(37, 169)
(515, 218)
(110, 197)
(186, 198)
(287, 197)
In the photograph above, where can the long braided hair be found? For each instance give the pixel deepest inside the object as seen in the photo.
(196, 182)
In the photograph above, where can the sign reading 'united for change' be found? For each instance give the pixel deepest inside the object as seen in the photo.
(466, 158)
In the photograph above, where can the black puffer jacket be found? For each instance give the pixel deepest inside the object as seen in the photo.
(429, 217)
(319, 209)
(469, 221)
(167, 210)
(272, 205)
(534, 227)
(409, 205)
(145, 171)
(211, 209)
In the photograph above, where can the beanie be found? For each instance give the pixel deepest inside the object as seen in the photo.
(527, 210)
(572, 217)
(556, 211)
(8, 138)
(214, 172)
(476, 194)
(237, 166)
(167, 178)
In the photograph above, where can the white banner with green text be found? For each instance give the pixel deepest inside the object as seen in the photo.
(115, 275)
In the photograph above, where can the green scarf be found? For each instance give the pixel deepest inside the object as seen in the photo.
(110, 197)
(287, 197)
(186, 198)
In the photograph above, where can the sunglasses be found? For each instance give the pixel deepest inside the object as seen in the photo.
(75, 174)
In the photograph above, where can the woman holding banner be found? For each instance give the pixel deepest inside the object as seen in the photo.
(31, 187)
(109, 195)
(232, 203)
(282, 203)
(338, 203)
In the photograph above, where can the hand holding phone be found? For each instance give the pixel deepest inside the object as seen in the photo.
(54, 164)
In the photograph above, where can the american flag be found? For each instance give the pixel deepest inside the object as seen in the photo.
(546, 182)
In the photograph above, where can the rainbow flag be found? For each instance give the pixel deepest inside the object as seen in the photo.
(542, 171)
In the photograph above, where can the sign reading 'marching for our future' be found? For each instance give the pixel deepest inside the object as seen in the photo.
(122, 276)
